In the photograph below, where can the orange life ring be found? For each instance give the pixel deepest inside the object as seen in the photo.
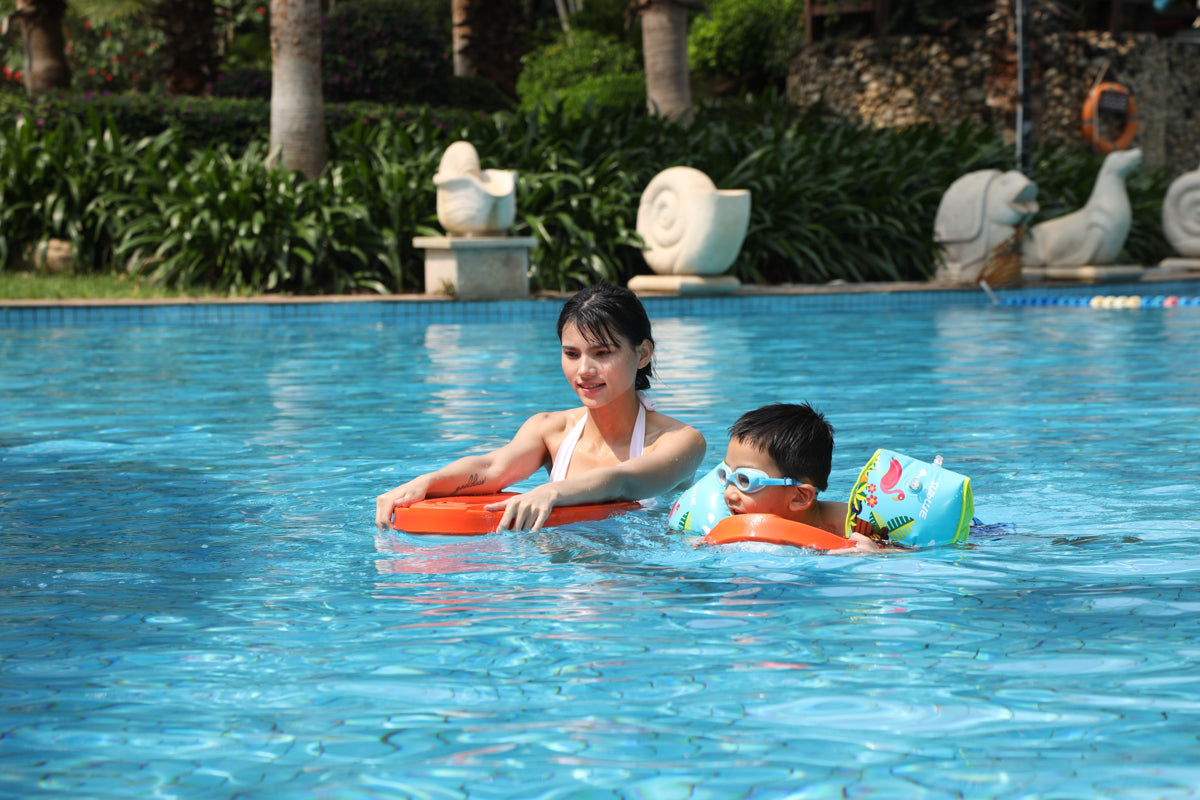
(771, 529)
(1091, 110)
(465, 515)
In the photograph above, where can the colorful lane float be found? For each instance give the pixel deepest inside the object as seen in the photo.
(467, 515)
(1104, 301)
(896, 498)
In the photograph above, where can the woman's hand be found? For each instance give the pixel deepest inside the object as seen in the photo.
(400, 497)
(528, 511)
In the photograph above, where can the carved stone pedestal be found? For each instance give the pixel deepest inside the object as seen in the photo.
(683, 284)
(1179, 264)
(1088, 273)
(476, 267)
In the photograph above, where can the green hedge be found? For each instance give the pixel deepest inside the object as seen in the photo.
(141, 188)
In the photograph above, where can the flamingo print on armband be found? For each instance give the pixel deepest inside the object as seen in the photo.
(865, 498)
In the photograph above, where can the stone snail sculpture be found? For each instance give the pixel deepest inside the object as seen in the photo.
(473, 201)
(978, 224)
(689, 226)
(1181, 214)
(1093, 234)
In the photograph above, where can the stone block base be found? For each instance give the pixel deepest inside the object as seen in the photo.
(476, 267)
(1180, 264)
(1091, 273)
(684, 284)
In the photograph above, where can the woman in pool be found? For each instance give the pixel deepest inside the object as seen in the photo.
(616, 447)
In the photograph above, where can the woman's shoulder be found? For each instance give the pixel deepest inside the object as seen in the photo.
(665, 422)
(555, 420)
(661, 426)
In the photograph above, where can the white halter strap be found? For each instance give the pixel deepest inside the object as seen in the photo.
(562, 458)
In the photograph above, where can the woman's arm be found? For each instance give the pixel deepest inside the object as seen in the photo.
(673, 461)
(478, 474)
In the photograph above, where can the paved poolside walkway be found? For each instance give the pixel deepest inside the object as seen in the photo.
(1149, 278)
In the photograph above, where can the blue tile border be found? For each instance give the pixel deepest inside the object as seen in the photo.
(392, 310)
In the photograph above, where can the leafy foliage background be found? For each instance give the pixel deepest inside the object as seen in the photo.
(181, 191)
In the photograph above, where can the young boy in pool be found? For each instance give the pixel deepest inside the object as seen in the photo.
(778, 460)
(614, 447)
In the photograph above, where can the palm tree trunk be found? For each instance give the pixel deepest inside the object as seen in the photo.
(40, 24)
(460, 17)
(297, 106)
(664, 45)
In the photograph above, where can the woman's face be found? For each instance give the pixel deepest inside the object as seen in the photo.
(601, 372)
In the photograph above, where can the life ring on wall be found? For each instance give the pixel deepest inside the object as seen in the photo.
(1109, 97)
(465, 515)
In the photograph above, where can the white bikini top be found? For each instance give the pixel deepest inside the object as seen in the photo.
(637, 440)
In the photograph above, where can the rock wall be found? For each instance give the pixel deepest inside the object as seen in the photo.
(972, 75)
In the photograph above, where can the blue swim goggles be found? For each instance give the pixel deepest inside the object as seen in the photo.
(750, 480)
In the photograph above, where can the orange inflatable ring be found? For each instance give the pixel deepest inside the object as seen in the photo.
(465, 515)
(771, 529)
(1091, 111)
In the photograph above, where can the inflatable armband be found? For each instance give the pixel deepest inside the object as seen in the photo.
(899, 498)
(701, 507)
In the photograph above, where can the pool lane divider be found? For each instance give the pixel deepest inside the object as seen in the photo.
(1104, 301)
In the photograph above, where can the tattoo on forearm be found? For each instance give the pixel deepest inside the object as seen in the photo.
(475, 480)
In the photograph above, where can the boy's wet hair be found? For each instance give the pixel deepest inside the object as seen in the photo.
(605, 313)
(795, 436)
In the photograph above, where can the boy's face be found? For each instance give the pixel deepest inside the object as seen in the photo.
(768, 500)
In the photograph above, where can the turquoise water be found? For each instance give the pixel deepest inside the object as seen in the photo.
(197, 604)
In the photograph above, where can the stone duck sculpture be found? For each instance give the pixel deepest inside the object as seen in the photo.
(473, 201)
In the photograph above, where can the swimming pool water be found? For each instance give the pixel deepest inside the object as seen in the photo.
(197, 604)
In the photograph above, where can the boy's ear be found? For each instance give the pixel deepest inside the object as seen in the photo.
(805, 495)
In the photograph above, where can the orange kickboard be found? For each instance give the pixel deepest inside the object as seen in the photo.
(465, 515)
(770, 529)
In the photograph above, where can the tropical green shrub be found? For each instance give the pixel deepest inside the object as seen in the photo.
(384, 51)
(197, 121)
(579, 69)
(829, 201)
(843, 202)
(750, 41)
(239, 226)
(114, 57)
(243, 83)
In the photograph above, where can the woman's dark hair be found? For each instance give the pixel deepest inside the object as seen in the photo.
(796, 437)
(603, 313)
